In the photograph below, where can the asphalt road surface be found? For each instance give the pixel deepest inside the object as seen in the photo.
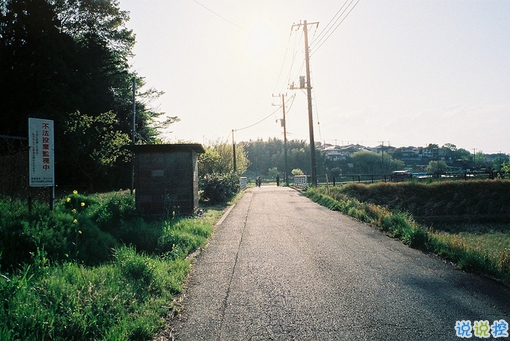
(281, 267)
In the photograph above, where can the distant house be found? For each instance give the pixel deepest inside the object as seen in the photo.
(334, 153)
(341, 153)
(410, 153)
(352, 148)
(385, 149)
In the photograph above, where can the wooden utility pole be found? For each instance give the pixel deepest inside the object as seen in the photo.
(285, 140)
(133, 139)
(234, 152)
(382, 156)
(309, 95)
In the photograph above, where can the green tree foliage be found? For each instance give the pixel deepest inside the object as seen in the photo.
(366, 162)
(98, 137)
(457, 156)
(499, 162)
(273, 172)
(265, 155)
(67, 60)
(218, 159)
(480, 160)
(218, 182)
(437, 166)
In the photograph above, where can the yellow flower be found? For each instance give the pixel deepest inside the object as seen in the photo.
(82, 204)
(79, 232)
(75, 192)
(68, 200)
(75, 221)
(73, 210)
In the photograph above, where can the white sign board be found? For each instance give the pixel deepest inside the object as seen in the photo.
(41, 158)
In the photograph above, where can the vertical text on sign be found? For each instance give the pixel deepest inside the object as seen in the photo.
(41, 159)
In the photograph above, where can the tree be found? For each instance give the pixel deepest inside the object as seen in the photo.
(498, 162)
(98, 137)
(366, 162)
(63, 58)
(437, 167)
(449, 147)
(273, 172)
(480, 160)
(264, 155)
(218, 159)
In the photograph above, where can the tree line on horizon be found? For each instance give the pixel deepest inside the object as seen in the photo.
(267, 158)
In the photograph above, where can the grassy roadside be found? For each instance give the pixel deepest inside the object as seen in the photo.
(121, 290)
(482, 248)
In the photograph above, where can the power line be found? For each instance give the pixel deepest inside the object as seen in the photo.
(317, 113)
(327, 28)
(338, 25)
(220, 16)
(262, 120)
(283, 63)
(293, 59)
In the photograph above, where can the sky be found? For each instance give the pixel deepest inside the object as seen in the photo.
(401, 73)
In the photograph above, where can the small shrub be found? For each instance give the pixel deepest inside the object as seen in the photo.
(504, 260)
(415, 237)
(219, 188)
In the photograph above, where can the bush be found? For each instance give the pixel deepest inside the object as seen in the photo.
(219, 188)
(124, 298)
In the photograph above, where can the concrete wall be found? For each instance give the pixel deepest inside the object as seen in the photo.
(166, 181)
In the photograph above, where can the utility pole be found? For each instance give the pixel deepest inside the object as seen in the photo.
(474, 158)
(309, 95)
(234, 152)
(382, 156)
(133, 139)
(285, 140)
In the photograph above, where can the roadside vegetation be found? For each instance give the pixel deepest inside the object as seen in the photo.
(93, 268)
(466, 222)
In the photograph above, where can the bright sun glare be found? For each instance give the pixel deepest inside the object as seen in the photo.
(261, 41)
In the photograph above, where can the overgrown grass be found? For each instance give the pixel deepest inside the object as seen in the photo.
(122, 293)
(485, 252)
(446, 198)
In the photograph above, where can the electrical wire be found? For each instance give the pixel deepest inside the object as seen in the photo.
(291, 104)
(292, 61)
(258, 122)
(220, 16)
(283, 63)
(317, 112)
(325, 39)
(328, 27)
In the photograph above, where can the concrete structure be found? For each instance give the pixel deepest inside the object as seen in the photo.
(166, 178)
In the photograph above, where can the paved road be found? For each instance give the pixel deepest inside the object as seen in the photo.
(281, 267)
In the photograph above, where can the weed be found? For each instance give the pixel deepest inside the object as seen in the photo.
(60, 279)
(482, 249)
